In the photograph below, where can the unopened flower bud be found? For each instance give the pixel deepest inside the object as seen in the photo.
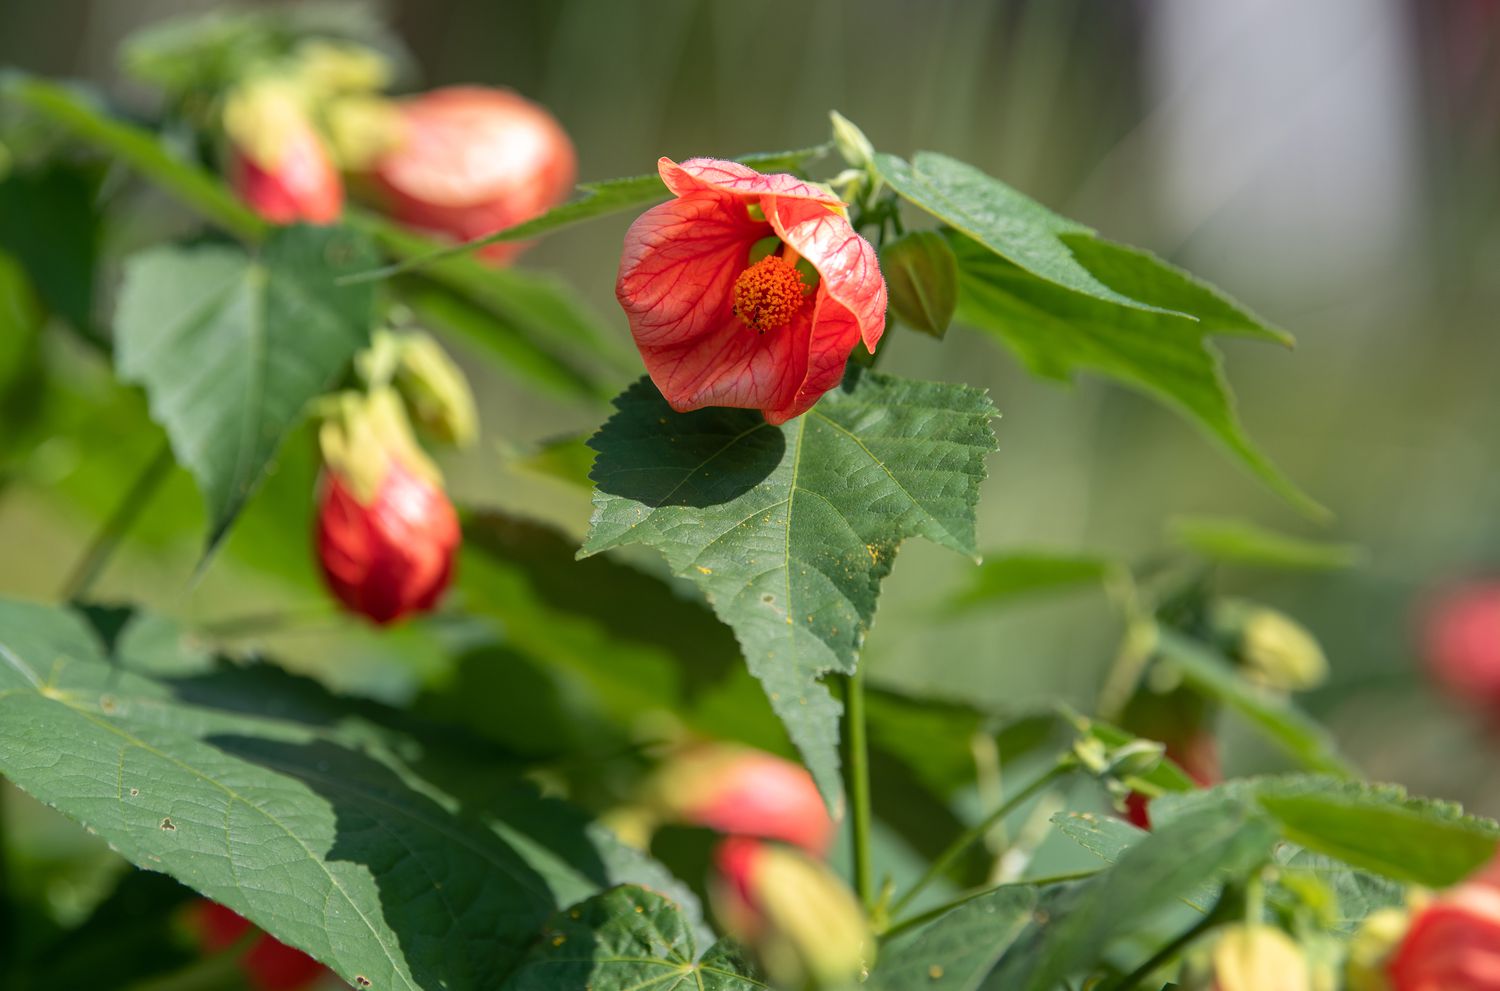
(796, 916)
(1256, 957)
(435, 390)
(278, 163)
(1370, 950)
(1198, 756)
(851, 142)
(921, 278)
(326, 68)
(267, 965)
(386, 532)
(745, 792)
(1452, 944)
(1461, 642)
(1274, 649)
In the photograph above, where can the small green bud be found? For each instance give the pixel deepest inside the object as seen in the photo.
(1274, 649)
(431, 384)
(851, 142)
(921, 277)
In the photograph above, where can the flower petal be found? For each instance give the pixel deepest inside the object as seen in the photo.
(846, 263)
(830, 339)
(698, 174)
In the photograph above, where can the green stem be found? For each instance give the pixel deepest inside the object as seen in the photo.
(1167, 952)
(105, 542)
(857, 764)
(977, 832)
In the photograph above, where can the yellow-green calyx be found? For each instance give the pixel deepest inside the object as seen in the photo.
(363, 435)
(431, 384)
(262, 115)
(361, 127)
(817, 934)
(332, 68)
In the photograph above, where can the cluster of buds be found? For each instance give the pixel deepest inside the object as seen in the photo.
(771, 888)
(459, 162)
(386, 533)
(265, 963)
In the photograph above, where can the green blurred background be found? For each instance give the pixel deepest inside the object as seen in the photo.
(1334, 165)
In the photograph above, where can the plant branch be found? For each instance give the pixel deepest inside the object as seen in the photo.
(857, 765)
(107, 540)
(1167, 952)
(975, 833)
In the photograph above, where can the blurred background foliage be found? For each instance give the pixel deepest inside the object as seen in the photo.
(1336, 166)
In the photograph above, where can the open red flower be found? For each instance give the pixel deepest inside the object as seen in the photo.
(718, 327)
(1461, 642)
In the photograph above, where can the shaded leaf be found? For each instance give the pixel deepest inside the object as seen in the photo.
(48, 221)
(1058, 332)
(788, 530)
(955, 951)
(1213, 674)
(1003, 578)
(396, 859)
(1109, 837)
(1232, 541)
(627, 939)
(231, 348)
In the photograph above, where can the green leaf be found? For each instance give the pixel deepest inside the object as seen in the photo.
(1108, 838)
(1353, 895)
(1232, 541)
(1003, 220)
(1058, 332)
(405, 861)
(921, 276)
(1006, 577)
(788, 530)
(58, 201)
(628, 939)
(957, 950)
(1078, 922)
(597, 200)
(1213, 674)
(1377, 827)
(231, 348)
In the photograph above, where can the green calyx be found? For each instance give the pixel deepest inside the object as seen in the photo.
(432, 386)
(362, 435)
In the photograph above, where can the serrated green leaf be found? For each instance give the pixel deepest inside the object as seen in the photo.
(1108, 838)
(403, 860)
(1078, 922)
(1003, 220)
(231, 348)
(1234, 541)
(957, 950)
(1005, 577)
(598, 199)
(1165, 354)
(789, 530)
(1354, 894)
(1213, 674)
(628, 939)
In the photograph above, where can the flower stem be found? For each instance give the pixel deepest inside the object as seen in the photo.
(975, 833)
(857, 770)
(1167, 952)
(107, 540)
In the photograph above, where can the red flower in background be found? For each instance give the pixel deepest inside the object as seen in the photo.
(718, 328)
(268, 965)
(1461, 642)
(1198, 756)
(1453, 943)
(469, 161)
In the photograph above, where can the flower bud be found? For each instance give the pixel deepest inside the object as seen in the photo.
(921, 278)
(1461, 642)
(326, 68)
(1370, 950)
(277, 161)
(386, 532)
(1197, 755)
(744, 792)
(1256, 957)
(851, 142)
(1453, 943)
(797, 917)
(471, 161)
(435, 390)
(268, 965)
(1273, 649)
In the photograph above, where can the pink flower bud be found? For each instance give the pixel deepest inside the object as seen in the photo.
(278, 163)
(268, 965)
(1461, 642)
(745, 792)
(795, 915)
(1453, 943)
(470, 161)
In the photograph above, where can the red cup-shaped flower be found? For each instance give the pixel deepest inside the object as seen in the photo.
(718, 322)
(1197, 755)
(386, 532)
(744, 792)
(467, 161)
(1453, 943)
(278, 163)
(268, 965)
(1461, 642)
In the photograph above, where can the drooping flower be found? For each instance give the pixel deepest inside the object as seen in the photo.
(278, 163)
(1453, 943)
(793, 912)
(1461, 642)
(466, 161)
(744, 792)
(386, 532)
(268, 965)
(747, 290)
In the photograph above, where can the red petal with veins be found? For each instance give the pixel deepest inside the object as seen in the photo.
(677, 278)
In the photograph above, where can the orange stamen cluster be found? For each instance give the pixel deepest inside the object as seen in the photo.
(768, 294)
